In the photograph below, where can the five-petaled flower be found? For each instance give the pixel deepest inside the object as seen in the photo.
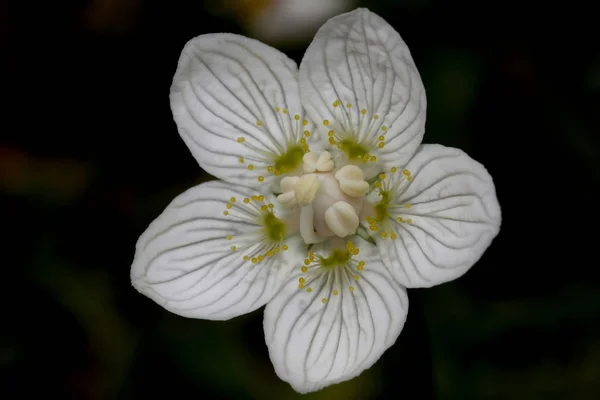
(328, 205)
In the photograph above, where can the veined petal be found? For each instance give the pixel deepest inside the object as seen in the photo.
(434, 219)
(216, 252)
(334, 317)
(236, 104)
(358, 81)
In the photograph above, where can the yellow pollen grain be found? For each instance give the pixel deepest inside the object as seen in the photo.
(303, 140)
(297, 117)
(255, 198)
(409, 221)
(330, 133)
(304, 269)
(246, 200)
(241, 139)
(277, 109)
(241, 160)
(254, 260)
(261, 198)
(383, 234)
(393, 235)
(259, 123)
(269, 253)
(384, 128)
(264, 207)
(250, 167)
(306, 261)
(261, 257)
(225, 212)
(324, 300)
(246, 258)
(301, 286)
(351, 288)
(373, 159)
(349, 105)
(363, 111)
(304, 123)
(381, 145)
(277, 172)
(261, 178)
(381, 138)
(232, 199)
(285, 110)
(276, 250)
(331, 141)
(407, 205)
(229, 206)
(229, 237)
(356, 277)
(381, 176)
(308, 290)
(336, 103)
(302, 280)
(335, 292)
(361, 265)
(375, 117)
(406, 172)
(325, 122)
(285, 247)
(270, 168)
(399, 219)
(271, 205)
(233, 248)
(393, 169)
(307, 133)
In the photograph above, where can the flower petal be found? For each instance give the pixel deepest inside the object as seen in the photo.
(450, 214)
(358, 77)
(186, 260)
(236, 104)
(331, 327)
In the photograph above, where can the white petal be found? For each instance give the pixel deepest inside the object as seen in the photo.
(454, 216)
(185, 263)
(361, 60)
(313, 344)
(229, 87)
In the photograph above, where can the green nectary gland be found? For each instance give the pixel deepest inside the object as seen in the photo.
(352, 149)
(289, 161)
(336, 258)
(274, 228)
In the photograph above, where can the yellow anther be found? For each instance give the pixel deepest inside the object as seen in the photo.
(306, 261)
(255, 198)
(303, 140)
(250, 167)
(393, 169)
(261, 257)
(261, 178)
(233, 248)
(285, 110)
(229, 206)
(336, 103)
(331, 141)
(373, 228)
(270, 168)
(304, 269)
(409, 178)
(241, 160)
(284, 247)
(363, 111)
(307, 133)
(261, 198)
(384, 128)
(304, 123)
(383, 234)
(393, 235)
(378, 184)
(297, 117)
(355, 252)
(409, 221)
(277, 172)
(241, 139)
(308, 290)
(373, 159)
(335, 292)
(324, 300)
(399, 219)
(301, 280)
(330, 133)
(382, 176)
(225, 212)
(301, 286)
(232, 200)
(270, 253)
(381, 138)
(407, 205)
(326, 122)
(406, 172)
(229, 237)
(246, 200)
(381, 145)
(264, 207)
(375, 117)
(271, 205)
(361, 266)
(258, 123)
(349, 105)
(351, 288)
(356, 277)
(246, 258)
(277, 109)
(276, 250)
(254, 260)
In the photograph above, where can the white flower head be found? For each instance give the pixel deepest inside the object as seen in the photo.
(327, 216)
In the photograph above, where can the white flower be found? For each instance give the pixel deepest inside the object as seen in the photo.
(326, 226)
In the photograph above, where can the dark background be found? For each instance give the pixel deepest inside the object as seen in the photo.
(89, 155)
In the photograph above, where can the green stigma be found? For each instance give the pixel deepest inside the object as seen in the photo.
(288, 162)
(353, 150)
(336, 258)
(274, 228)
(381, 209)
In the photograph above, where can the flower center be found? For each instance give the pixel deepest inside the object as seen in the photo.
(330, 200)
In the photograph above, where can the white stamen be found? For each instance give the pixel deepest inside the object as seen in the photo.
(342, 219)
